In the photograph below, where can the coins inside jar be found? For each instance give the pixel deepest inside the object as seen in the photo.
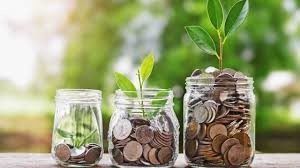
(146, 145)
(217, 132)
(84, 155)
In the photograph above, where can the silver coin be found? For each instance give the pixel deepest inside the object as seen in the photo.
(196, 72)
(122, 129)
(200, 113)
(229, 70)
(210, 70)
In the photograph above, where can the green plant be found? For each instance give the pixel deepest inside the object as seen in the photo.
(143, 74)
(80, 126)
(235, 18)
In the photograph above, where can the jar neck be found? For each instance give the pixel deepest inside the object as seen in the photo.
(78, 95)
(148, 99)
(243, 84)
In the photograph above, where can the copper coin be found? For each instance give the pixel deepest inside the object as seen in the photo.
(218, 141)
(117, 156)
(122, 129)
(243, 138)
(191, 147)
(139, 121)
(62, 152)
(228, 143)
(216, 129)
(144, 134)
(202, 132)
(153, 157)
(165, 154)
(225, 156)
(236, 155)
(133, 151)
(146, 149)
(192, 130)
(92, 155)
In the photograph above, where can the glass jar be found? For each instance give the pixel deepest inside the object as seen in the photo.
(219, 122)
(144, 132)
(77, 130)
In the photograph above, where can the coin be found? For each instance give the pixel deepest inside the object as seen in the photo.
(144, 134)
(62, 152)
(139, 121)
(200, 113)
(228, 143)
(122, 129)
(202, 132)
(191, 147)
(92, 155)
(153, 157)
(236, 155)
(146, 149)
(196, 72)
(165, 154)
(117, 155)
(218, 141)
(243, 138)
(133, 151)
(216, 129)
(192, 130)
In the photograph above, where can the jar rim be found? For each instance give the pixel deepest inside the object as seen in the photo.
(149, 96)
(197, 81)
(88, 95)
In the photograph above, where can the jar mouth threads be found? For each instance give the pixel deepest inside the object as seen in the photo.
(78, 95)
(194, 82)
(152, 99)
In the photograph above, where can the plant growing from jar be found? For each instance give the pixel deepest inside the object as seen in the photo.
(143, 128)
(234, 19)
(143, 73)
(219, 105)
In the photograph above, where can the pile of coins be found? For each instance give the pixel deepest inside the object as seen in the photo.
(219, 119)
(137, 142)
(85, 155)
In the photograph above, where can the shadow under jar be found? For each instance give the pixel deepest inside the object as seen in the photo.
(144, 132)
(219, 122)
(77, 131)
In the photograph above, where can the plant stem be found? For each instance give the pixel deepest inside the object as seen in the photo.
(141, 92)
(221, 45)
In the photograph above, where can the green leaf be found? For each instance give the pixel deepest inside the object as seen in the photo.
(236, 16)
(125, 85)
(162, 96)
(146, 67)
(215, 13)
(64, 134)
(87, 137)
(202, 39)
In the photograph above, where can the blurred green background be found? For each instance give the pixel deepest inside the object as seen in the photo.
(54, 44)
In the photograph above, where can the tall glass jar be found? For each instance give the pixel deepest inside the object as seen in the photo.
(77, 131)
(144, 132)
(219, 122)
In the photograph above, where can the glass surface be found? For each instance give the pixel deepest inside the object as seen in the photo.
(219, 120)
(77, 132)
(144, 132)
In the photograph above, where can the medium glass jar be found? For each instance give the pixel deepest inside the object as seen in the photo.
(219, 122)
(144, 132)
(77, 130)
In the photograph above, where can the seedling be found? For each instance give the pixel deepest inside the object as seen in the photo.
(143, 74)
(234, 19)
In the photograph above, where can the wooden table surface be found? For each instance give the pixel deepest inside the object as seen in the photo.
(26, 160)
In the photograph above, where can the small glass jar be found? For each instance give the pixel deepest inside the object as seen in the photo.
(77, 130)
(144, 133)
(219, 122)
